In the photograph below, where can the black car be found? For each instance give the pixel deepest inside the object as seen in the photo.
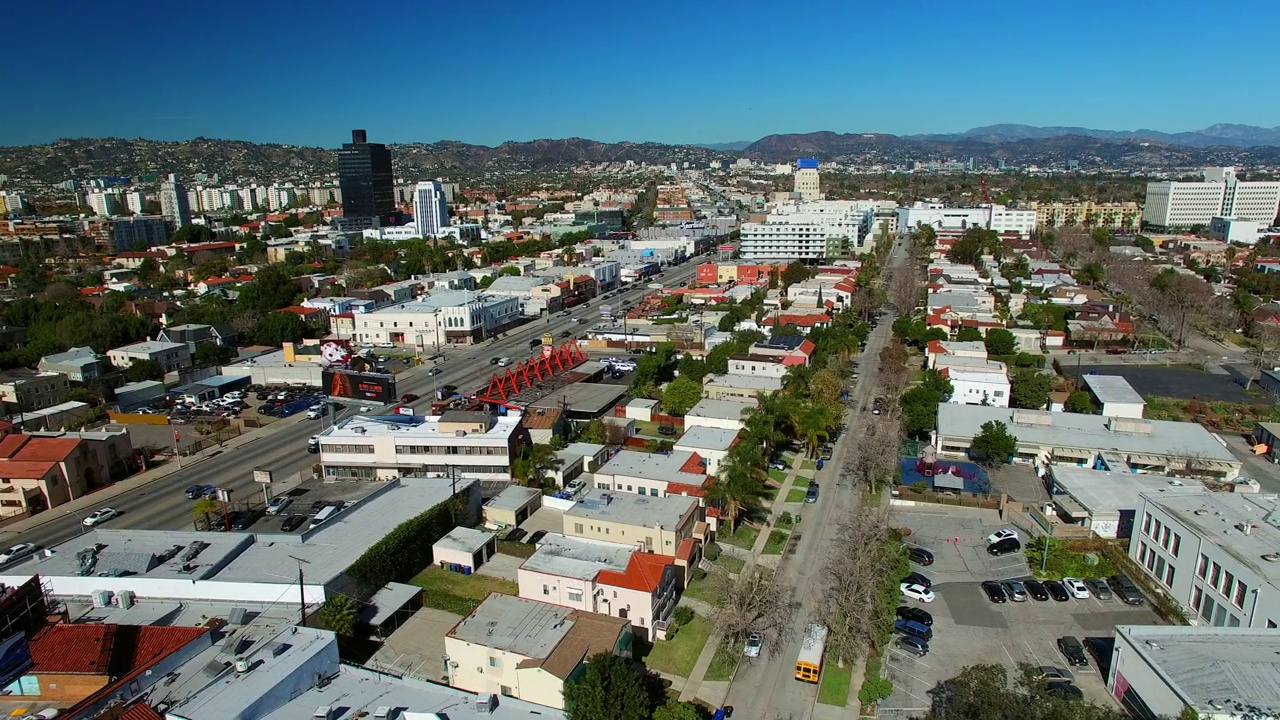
(916, 578)
(317, 506)
(1057, 590)
(1124, 589)
(292, 522)
(995, 591)
(1036, 590)
(516, 535)
(915, 614)
(920, 556)
(536, 536)
(1065, 689)
(243, 519)
(1004, 547)
(1073, 651)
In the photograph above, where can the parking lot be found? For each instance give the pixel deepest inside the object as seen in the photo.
(969, 629)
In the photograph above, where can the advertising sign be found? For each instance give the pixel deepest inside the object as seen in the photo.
(725, 248)
(359, 386)
(262, 476)
(334, 352)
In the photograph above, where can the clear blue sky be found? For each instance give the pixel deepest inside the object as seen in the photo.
(688, 71)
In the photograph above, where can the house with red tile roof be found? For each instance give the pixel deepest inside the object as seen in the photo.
(310, 314)
(609, 578)
(85, 664)
(804, 322)
(43, 472)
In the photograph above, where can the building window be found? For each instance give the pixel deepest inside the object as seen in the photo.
(493, 662)
(1168, 576)
(546, 590)
(1227, 581)
(1197, 596)
(1206, 610)
(1215, 575)
(1177, 544)
(1164, 538)
(1202, 566)
(577, 528)
(1241, 591)
(575, 596)
(653, 492)
(506, 690)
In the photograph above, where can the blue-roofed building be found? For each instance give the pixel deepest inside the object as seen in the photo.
(807, 164)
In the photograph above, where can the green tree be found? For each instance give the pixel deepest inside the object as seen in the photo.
(826, 388)
(147, 270)
(612, 688)
(1091, 274)
(983, 692)
(794, 273)
(920, 410)
(144, 370)
(994, 444)
(212, 354)
(339, 614)
(190, 234)
(813, 424)
(595, 432)
(935, 381)
(278, 328)
(969, 334)
(739, 481)
(678, 710)
(1001, 342)
(30, 278)
(531, 465)
(680, 395)
(1080, 402)
(1029, 389)
(692, 367)
(210, 268)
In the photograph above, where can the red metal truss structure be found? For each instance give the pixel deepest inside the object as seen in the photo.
(537, 369)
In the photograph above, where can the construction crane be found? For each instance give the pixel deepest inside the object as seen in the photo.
(986, 193)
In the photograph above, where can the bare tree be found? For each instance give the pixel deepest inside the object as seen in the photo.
(1263, 353)
(853, 580)
(867, 461)
(904, 289)
(752, 603)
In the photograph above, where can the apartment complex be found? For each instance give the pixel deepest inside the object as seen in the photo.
(1179, 205)
(170, 355)
(470, 444)
(656, 524)
(958, 219)
(813, 230)
(1115, 216)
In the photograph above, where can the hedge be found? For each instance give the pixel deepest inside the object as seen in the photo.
(405, 551)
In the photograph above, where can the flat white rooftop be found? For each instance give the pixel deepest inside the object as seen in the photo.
(1113, 389)
(576, 557)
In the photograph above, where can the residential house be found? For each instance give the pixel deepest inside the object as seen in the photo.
(724, 414)
(656, 524)
(657, 475)
(45, 470)
(194, 335)
(79, 364)
(710, 444)
(170, 355)
(937, 350)
(972, 386)
(1092, 326)
(803, 322)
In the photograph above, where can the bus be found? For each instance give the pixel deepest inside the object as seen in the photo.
(809, 664)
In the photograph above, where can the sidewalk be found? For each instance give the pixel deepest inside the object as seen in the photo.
(695, 682)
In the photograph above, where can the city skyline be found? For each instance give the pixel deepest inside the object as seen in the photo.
(748, 72)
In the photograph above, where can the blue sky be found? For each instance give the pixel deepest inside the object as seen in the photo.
(485, 71)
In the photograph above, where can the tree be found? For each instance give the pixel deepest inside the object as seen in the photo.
(680, 395)
(794, 273)
(752, 603)
(531, 466)
(1029, 388)
(144, 370)
(826, 388)
(339, 614)
(920, 410)
(813, 424)
(1091, 274)
(969, 334)
(1080, 402)
(147, 270)
(211, 354)
(1001, 342)
(31, 277)
(278, 328)
(994, 443)
(612, 688)
(595, 432)
(739, 481)
(678, 710)
(208, 509)
(983, 692)
(692, 367)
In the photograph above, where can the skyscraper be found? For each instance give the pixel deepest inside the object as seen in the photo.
(173, 202)
(807, 179)
(365, 177)
(430, 211)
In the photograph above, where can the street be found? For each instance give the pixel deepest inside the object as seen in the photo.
(766, 687)
(280, 447)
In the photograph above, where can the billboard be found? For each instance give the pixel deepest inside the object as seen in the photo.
(335, 352)
(377, 387)
(15, 658)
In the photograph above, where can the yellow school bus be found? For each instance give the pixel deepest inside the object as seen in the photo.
(809, 664)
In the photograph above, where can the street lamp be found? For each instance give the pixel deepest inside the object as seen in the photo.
(79, 521)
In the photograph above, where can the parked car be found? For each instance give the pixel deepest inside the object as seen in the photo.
(811, 494)
(1064, 689)
(1002, 534)
(916, 592)
(278, 503)
(408, 397)
(516, 535)
(1073, 651)
(1016, 590)
(195, 492)
(915, 614)
(575, 486)
(1050, 673)
(778, 465)
(536, 536)
(916, 578)
(242, 519)
(1126, 590)
(920, 556)
(1057, 591)
(293, 522)
(911, 627)
(100, 516)
(1099, 588)
(17, 552)
(1004, 547)
(995, 591)
(913, 645)
(1036, 590)
(1076, 587)
(754, 642)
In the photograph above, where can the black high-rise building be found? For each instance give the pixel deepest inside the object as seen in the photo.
(366, 179)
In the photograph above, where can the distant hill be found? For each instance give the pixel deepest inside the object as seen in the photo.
(735, 145)
(1220, 134)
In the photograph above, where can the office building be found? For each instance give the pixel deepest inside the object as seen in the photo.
(145, 231)
(455, 317)
(104, 204)
(1237, 230)
(430, 210)
(471, 444)
(807, 184)
(1179, 205)
(175, 204)
(804, 231)
(365, 178)
(11, 203)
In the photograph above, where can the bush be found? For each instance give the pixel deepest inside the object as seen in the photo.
(711, 551)
(699, 574)
(681, 616)
(404, 551)
(874, 688)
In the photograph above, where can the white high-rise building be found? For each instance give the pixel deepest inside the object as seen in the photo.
(807, 181)
(104, 204)
(136, 202)
(806, 231)
(210, 199)
(231, 200)
(174, 203)
(430, 210)
(1179, 205)
(280, 197)
(249, 197)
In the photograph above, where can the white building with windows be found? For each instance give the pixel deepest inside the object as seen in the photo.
(430, 210)
(807, 181)
(805, 231)
(1216, 554)
(973, 386)
(451, 316)
(104, 204)
(989, 217)
(470, 444)
(1179, 205)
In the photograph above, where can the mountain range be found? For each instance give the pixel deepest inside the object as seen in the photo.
(1220, 134)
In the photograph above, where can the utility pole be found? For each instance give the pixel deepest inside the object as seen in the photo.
(302, 592)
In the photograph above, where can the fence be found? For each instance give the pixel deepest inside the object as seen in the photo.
(955, 499)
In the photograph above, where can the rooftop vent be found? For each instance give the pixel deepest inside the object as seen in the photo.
(1271, 558)
(1202, 512)
(459, 433)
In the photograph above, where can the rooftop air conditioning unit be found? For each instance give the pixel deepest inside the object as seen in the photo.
(101, 598)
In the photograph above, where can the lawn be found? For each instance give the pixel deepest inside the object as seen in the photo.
(768, 494)
(724, 664)
(833, 686)
(1065, 563)
(730, 563)
(778, 476)
(678, 655)
(744, 537)
(809, 465)
(796, 494)
(459, 593)
(703, 590)
(518, 549)
(777, 541)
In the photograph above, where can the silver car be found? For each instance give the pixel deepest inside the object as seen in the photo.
(1017, 591)
(754, 642)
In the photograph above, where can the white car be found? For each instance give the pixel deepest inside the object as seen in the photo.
(575, 486)
(754, 642)
(610, 361)
(233, 395)
(1077, 588)
(366, 408)
(277, 504)
(100, 516)
(917, 592)
(17, 552)
(386, 345)
(1002, 534)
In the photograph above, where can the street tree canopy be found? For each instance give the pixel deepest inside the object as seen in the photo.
(1001, 342)
(983, 692)
(994, 443)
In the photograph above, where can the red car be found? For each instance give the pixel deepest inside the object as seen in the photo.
(408, 397)
(1117, 351)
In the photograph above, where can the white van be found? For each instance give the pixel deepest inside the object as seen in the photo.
(324, 515)
(503, 362)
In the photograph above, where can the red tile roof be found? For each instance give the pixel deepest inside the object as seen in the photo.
(694, 465)
(141, 711)
(300, 311)
(72, 649)
(154, 254)
(685, 550)
(643, 573)
(220, 281)
(798, 319)
(44, 449)
(674, 488)
(25, 470)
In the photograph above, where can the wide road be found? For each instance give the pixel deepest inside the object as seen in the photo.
(766, 687)
(281, 446)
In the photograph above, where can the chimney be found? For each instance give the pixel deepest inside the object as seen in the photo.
(359, 137)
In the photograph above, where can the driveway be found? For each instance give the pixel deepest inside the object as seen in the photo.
(415, 649)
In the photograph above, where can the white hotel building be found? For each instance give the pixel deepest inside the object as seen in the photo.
(806, 231)
(1179, 205)
(989, 217)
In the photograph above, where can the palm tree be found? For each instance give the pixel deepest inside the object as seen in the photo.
(532, 463)
(813, 423)
(768, 424)
(569, 256)
(739, 482)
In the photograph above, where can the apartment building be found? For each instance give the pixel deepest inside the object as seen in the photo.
(1179, 205)
(676, 473)
(656, 524)
(470, 444)
(23, 390)
(1215, 554)
(1115, 216)
(807, 181)
(454, 317)
(79, 364)
(804, 231)
(607, 578)
(170, 355)
(956, 219)
(973, 386)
